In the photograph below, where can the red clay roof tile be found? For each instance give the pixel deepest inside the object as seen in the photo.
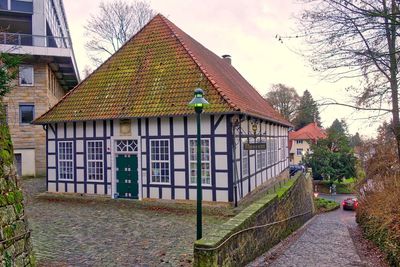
(154, 74)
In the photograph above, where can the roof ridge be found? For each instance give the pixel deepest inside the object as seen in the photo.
(202, 69)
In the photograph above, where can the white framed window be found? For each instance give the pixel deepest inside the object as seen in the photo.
(261, 158)
(258, 160)
(159, 161)
(245, 161)
(95, 160)
(283, 148)
(264, 157)
(269, 151)
(205, 161)
(299, 141)
(26, 75)
(65, 160)
(126, 146)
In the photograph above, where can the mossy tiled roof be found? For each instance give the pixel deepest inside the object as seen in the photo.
(154, 74)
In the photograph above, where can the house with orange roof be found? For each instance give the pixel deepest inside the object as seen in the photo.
(300, 141)
(127, 131)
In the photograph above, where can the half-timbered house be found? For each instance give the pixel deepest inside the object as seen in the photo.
(127, 130)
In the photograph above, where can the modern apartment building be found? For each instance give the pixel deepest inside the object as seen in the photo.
(38, 31)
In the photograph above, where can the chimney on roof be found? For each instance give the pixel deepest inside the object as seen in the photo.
(227, 58)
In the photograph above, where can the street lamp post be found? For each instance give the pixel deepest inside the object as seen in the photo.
(198, 102)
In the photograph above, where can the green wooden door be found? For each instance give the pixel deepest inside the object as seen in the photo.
(127, 176)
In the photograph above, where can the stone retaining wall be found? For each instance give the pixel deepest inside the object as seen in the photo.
(218, 248)
(15, 243)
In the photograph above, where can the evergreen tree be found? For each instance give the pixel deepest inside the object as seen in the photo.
(333, 157)
(308, 111)
(339, 127)
(356, 140)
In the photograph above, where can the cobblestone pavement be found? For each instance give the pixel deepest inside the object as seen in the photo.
(325, 241)
(67, 233)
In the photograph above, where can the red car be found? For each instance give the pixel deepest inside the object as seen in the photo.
(350, 204)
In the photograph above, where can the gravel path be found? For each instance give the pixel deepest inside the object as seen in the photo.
(68, 233)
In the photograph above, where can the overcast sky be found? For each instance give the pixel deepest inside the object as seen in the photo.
(246, 30)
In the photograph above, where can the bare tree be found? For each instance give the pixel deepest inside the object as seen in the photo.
(87, 70)
(115, 24)
(284, 99)
(357, 39)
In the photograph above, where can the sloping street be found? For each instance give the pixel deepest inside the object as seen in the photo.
(324, 241)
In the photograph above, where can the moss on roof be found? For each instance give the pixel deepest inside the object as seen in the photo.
(154, 74)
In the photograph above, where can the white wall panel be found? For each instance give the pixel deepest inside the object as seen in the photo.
(165, 128)
(60, 130)
(180, 193)
(80, 175)
(221, 162)
(221, 144)
(52, 160)
(89, 129)
(70, 130)
(51, 174)
(51, 146)
(180, 161)
(166, 193)
(221, 179)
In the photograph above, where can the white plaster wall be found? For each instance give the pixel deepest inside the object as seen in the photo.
(70, 130)
(99, 129)
(79, 129)
(89, 129)
(60, 130)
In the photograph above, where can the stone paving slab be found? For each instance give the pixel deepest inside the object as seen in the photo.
(325, 242)
(93, 233)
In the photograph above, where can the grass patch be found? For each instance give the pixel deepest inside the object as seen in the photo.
(325, 205)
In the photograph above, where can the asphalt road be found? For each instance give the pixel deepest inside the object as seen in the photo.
(345, 216)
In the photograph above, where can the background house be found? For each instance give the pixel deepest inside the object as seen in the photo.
(38, 31)
(127, 130)
(300, 141)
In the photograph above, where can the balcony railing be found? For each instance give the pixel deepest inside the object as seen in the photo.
(19, 39)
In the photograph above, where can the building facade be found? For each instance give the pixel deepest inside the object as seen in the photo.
(38, 32)
(300, 141)
(127, 131)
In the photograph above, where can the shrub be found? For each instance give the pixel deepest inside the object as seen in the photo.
(324, 205)
(379, 211)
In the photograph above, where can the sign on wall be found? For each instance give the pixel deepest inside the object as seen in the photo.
(125, 127)
(255, 146)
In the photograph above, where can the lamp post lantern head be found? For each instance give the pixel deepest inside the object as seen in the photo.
(198, 102)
